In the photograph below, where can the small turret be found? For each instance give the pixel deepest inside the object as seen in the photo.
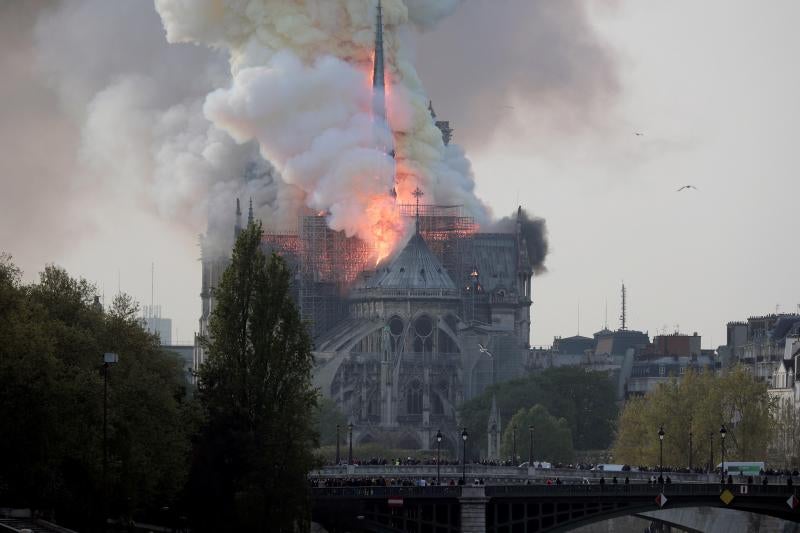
(237, 228)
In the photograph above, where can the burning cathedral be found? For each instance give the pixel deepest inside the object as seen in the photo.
(400, 344)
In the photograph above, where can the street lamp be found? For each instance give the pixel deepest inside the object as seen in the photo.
(338, 459)
(514, 444)
(723, 433)
(438, 455)
(661, 453)
(710, 451)
(530, 446)
(464, 437)
(350, 455)
(109, 358)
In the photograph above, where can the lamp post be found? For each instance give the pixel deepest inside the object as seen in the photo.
(710, 451)
(338, 458)
(690, 452)
(464, 437)
(438, 455)
(109, 359)
(723, 433)
(350, 454)
(530, 446)
(661, 453)
(514, 444)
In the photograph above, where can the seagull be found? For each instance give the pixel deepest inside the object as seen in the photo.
(687, 187)
(484, 349)
(639, 134)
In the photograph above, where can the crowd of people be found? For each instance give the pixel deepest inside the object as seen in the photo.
(412, 461)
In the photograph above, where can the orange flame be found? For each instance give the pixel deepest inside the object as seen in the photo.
(385, 225)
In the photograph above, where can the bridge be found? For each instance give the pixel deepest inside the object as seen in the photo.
(493, 473)
(513, 508)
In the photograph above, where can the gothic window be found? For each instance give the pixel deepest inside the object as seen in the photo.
(436, 404)
(396, 328)
(423, 334)
(372, 405)
(414, 398)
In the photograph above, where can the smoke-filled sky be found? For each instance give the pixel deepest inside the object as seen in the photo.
(106, 151)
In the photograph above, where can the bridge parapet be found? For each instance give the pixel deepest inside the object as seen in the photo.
(517, 507)
(489, 472)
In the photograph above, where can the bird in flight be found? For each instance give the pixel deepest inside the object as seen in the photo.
(687, 187)
(484, 349)
(639, 134)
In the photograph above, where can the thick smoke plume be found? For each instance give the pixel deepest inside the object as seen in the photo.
(301, 86)
(534, 229)
(495, 62)
(114, 113)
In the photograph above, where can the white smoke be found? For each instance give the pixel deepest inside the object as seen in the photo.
(139, 107)
(301, 87)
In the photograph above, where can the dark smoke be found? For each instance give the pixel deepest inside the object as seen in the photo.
(495, 61)
(534, 229)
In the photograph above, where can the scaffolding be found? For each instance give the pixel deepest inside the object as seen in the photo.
(326, 263)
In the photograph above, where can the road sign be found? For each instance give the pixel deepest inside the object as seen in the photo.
(726, 497)
(742, 489)
(395, 502)
(793, 502)
(661, 500)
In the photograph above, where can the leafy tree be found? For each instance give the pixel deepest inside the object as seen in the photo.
(552, 438)
(698, 404)
(255, 446)
(785, 448)
(586, 400)
(326, 417)
(51, 403)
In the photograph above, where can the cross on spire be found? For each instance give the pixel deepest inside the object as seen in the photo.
(418, 194)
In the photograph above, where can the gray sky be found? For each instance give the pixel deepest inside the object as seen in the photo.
(546, 98)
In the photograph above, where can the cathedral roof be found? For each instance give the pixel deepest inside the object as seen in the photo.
(415, 268)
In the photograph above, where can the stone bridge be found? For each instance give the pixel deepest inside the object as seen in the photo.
(498, 473)
(528, 508)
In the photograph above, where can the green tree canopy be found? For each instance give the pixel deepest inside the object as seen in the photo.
(698, 404)
(552, 438)
(326, 417)
(255, 448)
(586, 400)
(51, 403)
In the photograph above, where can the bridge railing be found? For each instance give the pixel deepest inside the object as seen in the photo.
(496, 472)
(436, 491)
(679, 489)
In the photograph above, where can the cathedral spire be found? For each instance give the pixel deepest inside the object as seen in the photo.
(237, 228)
(379, 77)
(250, 212)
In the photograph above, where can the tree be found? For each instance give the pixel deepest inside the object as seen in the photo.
(699, 404)
(51, 403)
(785, 448)
(326, 417)
(255, 446)
(552, 438)
(586, 400)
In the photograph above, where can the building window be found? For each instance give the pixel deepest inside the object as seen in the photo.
(423, 334)
(414, 399)
(662, 371)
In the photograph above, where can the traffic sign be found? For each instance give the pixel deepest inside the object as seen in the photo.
(793, 502)
(726, 496)
(661, 500)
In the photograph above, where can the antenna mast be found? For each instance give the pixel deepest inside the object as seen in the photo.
(623, 317)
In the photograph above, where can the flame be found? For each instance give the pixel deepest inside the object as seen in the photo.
(385, 225)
